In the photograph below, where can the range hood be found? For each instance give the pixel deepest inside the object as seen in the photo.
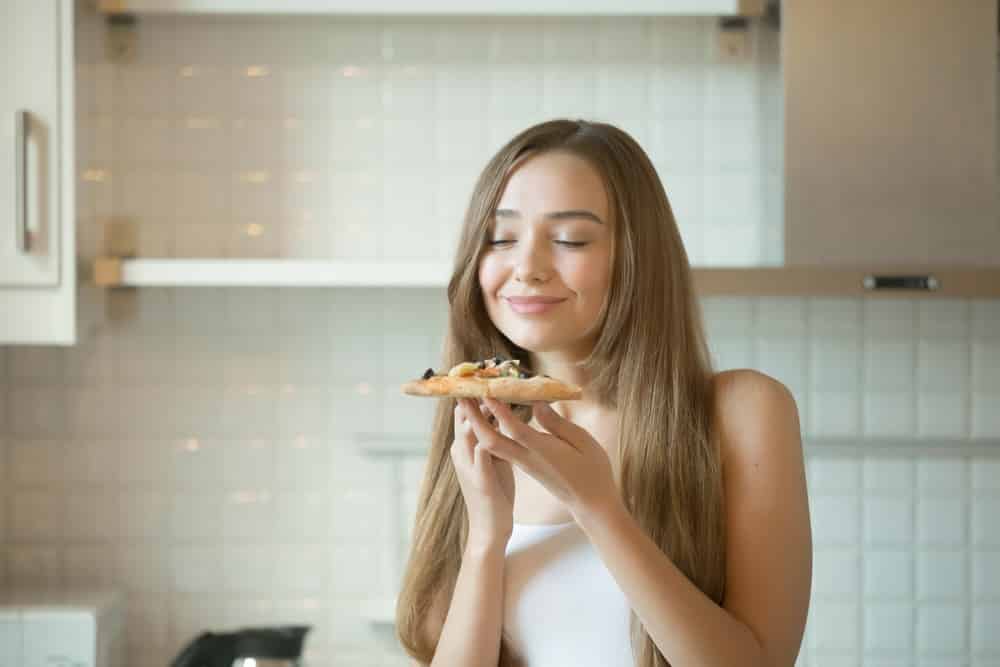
(441, 7)
(890, 133)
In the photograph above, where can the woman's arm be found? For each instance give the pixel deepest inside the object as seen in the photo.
(769, 545)
(471, 633)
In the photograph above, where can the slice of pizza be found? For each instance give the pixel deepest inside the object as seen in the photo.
(502, 379)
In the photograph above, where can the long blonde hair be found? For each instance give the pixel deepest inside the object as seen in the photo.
(650, 362)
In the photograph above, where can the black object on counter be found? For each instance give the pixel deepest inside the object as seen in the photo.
(212, 649)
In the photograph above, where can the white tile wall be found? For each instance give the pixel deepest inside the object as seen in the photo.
(196, 448)
(361, 138)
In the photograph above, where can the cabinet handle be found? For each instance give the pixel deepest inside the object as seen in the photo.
(21, 181)
(925, 283)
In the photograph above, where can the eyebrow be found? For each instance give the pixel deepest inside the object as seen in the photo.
(552, 215)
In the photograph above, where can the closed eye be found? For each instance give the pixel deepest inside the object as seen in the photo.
(571, 244)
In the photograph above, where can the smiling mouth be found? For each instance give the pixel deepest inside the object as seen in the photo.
(532, 307)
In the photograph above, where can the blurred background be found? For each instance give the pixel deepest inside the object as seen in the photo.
(227, 242)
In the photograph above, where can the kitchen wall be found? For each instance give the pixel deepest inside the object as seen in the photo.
(205, 449)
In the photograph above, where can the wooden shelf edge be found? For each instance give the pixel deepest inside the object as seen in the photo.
(113, 271)
(809, 281)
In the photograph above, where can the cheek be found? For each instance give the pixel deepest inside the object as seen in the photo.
(589, 275)
(490, 278)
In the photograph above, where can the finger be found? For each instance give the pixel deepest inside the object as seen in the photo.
(559, 426)
(500, 445)
(470, 405)
(509, 423)
(476, 412)
(509, 451)
(464, 438)
(481, 462)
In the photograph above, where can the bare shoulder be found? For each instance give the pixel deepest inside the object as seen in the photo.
(754, 409)
(746, 384)
(768, 540)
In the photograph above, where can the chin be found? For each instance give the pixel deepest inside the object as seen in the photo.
(538, 340)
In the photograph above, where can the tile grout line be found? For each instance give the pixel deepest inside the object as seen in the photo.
(968, 498)
(914, 487)
(915, 369)
(914, 560)
(863, 457)
(969, 360)
(967, 416)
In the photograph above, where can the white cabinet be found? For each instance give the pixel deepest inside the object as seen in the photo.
(78, 628)
(37, 209)
(438, 7)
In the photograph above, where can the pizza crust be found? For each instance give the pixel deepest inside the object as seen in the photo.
(507, 389)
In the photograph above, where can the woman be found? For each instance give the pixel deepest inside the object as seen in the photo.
(663, 518)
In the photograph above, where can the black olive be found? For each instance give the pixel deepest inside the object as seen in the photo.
(481, 364)
(428, 374)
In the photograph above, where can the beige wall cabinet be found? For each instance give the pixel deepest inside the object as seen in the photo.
(889, 171)
(37, 210)
(890, 135)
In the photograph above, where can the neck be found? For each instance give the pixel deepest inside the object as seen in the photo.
(568, 369)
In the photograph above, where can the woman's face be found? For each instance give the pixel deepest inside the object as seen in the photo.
(550, 238)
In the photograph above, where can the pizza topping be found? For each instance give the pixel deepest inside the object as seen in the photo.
(510, 368)
(464, 369)
(487, 368)
(428, 374)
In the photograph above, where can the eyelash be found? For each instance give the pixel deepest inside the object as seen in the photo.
(569, 244)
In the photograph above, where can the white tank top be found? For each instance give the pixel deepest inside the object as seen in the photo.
(562, 608)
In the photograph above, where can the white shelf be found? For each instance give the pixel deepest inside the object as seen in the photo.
(440, 7)
(113, 272)
(378, 444)
(709, 281)
(375, 444)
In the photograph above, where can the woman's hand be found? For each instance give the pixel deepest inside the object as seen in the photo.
(567, 460)
(487, 483)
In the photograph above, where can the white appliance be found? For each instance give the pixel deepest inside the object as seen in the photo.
(80, 628)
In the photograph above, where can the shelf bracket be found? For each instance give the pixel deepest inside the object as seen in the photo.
(119, 244)
(108, 272)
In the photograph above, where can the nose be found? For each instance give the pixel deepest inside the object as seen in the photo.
(533, 265)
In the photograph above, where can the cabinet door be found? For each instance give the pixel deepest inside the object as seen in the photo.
(890, 133)
(37, 206)
(29, 152)
(10, 638)
(57, 638)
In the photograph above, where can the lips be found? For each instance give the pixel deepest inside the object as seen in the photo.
(533, 305)
(533, 299)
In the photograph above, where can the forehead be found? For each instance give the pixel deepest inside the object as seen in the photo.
(555, 181)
